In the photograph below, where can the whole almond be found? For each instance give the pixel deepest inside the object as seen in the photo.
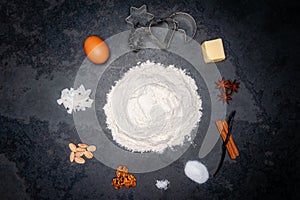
(84, 146)
(78, 154)
(72, 147)
(79, 160)
(72, 156)
(91, 148)
(80, 149)
(88, 154)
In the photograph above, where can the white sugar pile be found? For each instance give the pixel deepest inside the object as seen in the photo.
(153, 107)
(196, 171)
(162, 184)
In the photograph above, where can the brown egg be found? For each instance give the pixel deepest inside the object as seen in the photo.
(96, 50)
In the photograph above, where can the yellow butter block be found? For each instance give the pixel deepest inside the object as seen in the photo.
(213, 50)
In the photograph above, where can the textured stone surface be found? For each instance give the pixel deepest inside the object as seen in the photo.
(42, 49)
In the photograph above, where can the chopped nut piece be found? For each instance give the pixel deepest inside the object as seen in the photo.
(88, 155)
(122, 169)
(80, 149)
(79, 160)
(84, 146)
(91, 148)
(72, 156)
(72, 147)
(79, 154)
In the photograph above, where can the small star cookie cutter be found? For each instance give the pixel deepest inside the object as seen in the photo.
(139, 17)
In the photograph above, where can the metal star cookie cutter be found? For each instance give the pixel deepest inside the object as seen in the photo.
(139, 17)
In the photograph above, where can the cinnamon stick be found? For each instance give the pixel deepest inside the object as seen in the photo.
(223, 135)
(231, 147)
(231, 141)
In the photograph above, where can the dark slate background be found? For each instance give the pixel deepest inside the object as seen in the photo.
(42, 49)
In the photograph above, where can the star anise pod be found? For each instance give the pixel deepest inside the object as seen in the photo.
(225, 97)
(223, 84)
(234, 86)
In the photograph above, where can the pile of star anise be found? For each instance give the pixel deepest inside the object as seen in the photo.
(227, 89)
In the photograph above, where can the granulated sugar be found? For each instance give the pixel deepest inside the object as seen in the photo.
(162, 184)
(196, 171)
(153, 107)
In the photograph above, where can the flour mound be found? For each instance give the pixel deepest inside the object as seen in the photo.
(153, 107)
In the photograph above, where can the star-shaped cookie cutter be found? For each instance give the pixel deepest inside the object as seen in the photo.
(139, 17)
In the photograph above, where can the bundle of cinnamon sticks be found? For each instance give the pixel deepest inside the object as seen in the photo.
(231, 147)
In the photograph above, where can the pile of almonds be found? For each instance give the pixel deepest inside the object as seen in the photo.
(79, 151)
(123, 178)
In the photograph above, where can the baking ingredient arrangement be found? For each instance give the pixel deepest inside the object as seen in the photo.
(153, 107)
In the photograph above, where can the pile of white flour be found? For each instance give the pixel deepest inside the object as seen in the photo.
(153, 107)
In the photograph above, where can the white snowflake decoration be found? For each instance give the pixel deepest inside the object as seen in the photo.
(75, 100)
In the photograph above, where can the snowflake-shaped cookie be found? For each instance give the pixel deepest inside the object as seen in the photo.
(75, 100)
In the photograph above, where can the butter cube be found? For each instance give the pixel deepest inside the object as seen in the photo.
(213, 50)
